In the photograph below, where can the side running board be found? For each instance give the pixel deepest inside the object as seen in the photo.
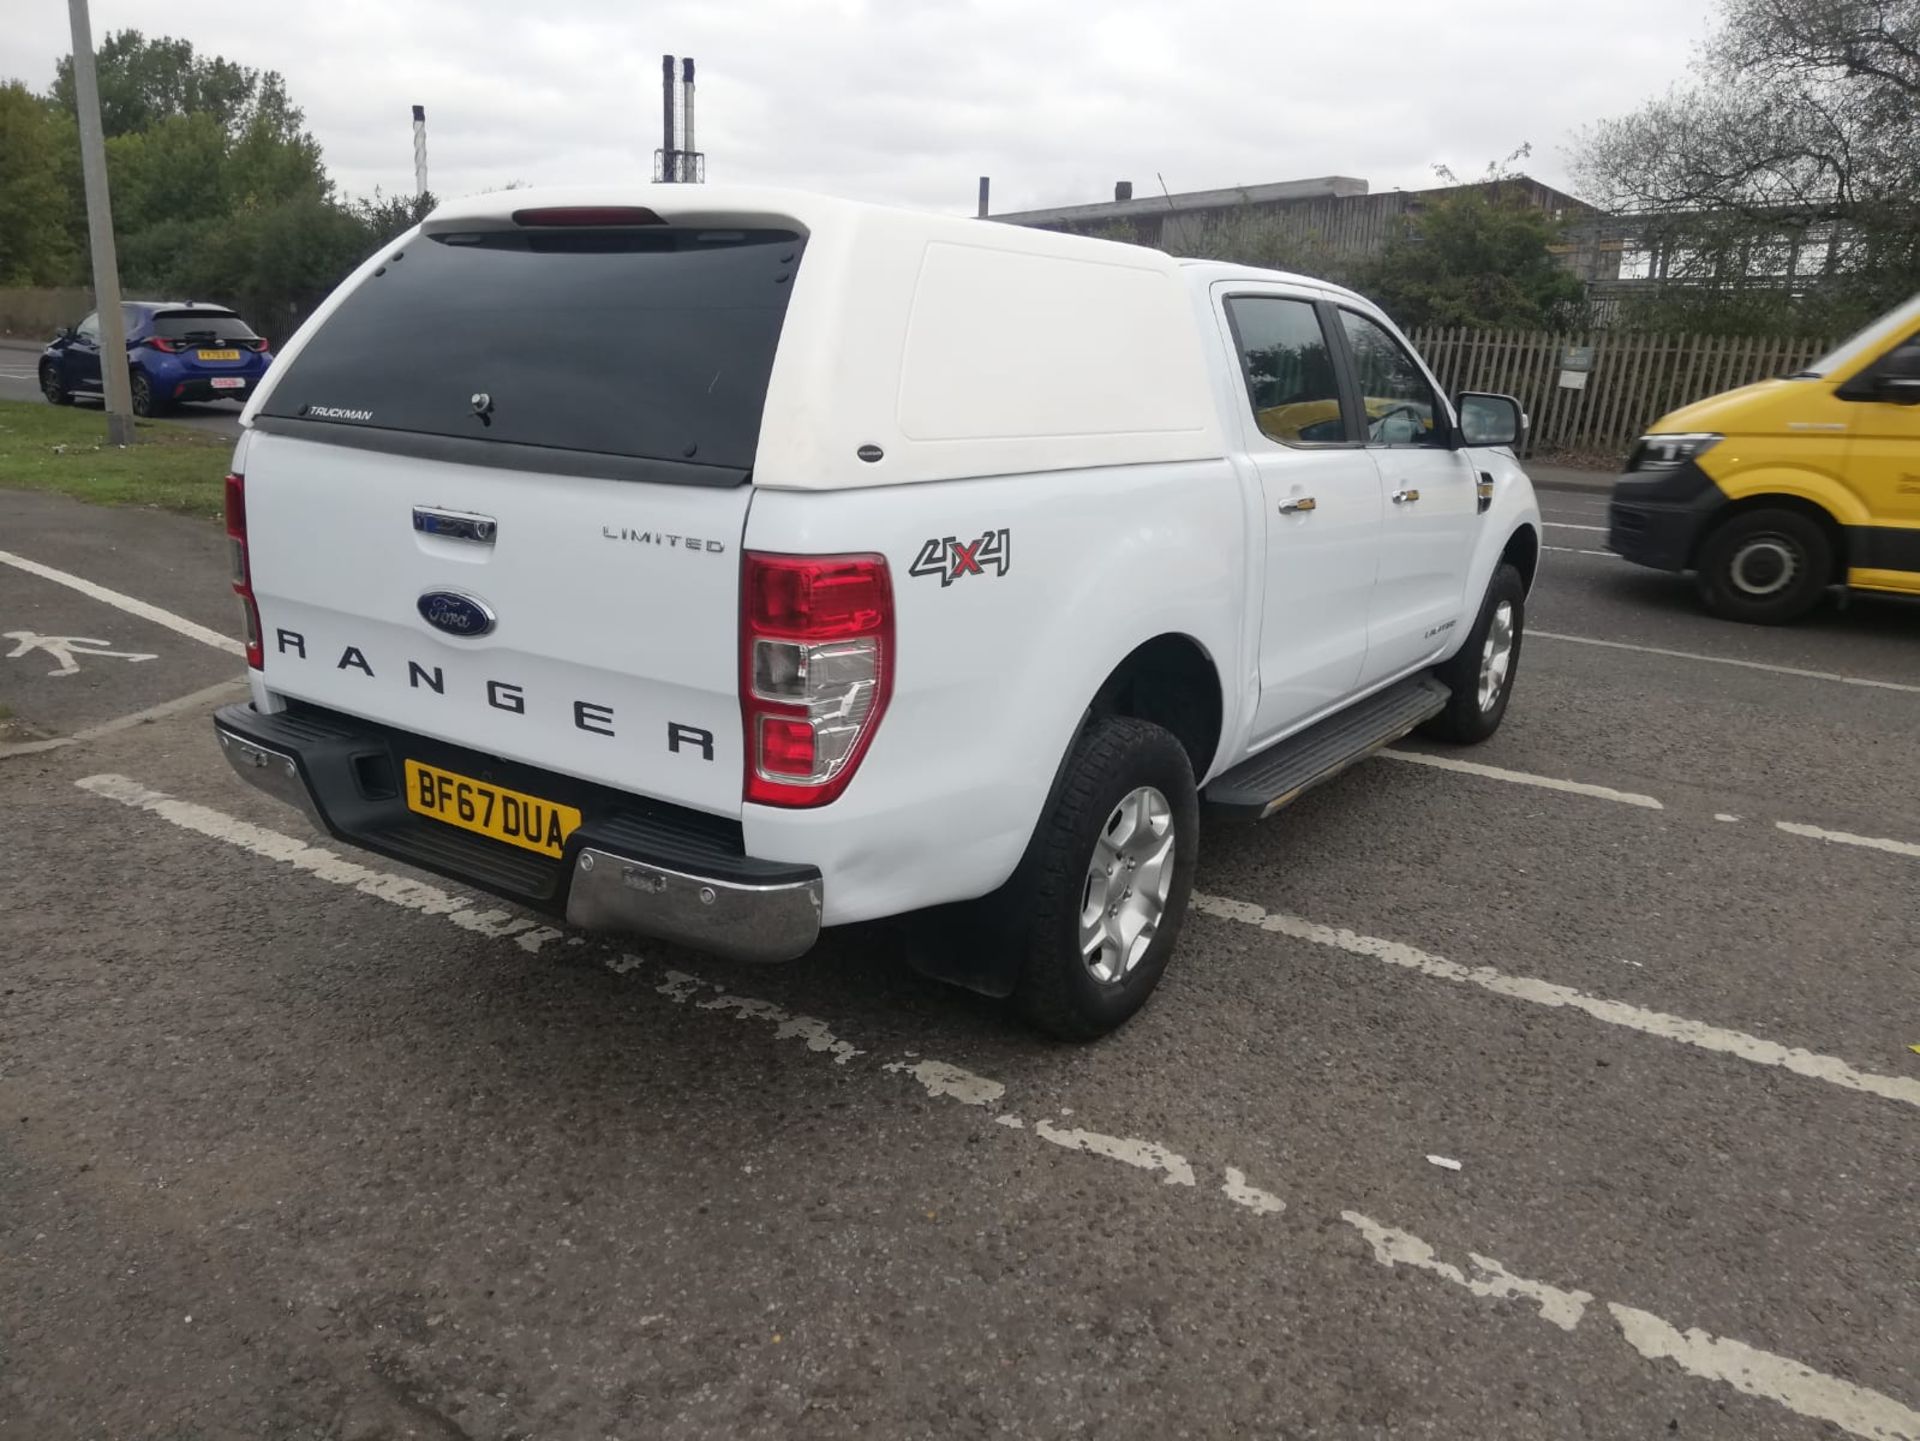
(1262, 784)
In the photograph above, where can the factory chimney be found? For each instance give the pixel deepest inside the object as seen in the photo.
(419, 150)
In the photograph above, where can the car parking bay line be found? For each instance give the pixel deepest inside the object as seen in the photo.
(179, 624)
(1524, 778)
(225, 690)
(1717, 1039)
(1576, 550)
(1771, 669)
(1569, 525)
(1847, 838)
(1859, 1410)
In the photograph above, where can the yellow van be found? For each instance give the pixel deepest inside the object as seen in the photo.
(1773, 492)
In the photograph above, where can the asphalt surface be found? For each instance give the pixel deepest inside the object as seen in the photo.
(19, 372)
(1473, 1105)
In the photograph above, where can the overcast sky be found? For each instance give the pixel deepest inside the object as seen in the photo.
(912, 100)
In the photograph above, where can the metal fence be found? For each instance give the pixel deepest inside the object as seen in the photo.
(1629, 380)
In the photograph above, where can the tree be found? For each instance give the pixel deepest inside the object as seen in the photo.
(143, 82)
(36, 219)
(1798, 135)
(1479, 255)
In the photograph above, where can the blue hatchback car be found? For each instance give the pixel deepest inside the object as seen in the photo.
(176, 350)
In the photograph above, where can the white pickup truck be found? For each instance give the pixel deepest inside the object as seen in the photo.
(721, 564)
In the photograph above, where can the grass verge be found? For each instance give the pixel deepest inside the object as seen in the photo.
(64, 449)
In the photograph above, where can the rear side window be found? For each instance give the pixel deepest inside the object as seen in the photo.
(651, 342)
(201, 325)
(1289, 369)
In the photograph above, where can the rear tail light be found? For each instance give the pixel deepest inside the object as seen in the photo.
(816, 670)
(243, 567)
(160, 342)
(587, 215)
(258, 343)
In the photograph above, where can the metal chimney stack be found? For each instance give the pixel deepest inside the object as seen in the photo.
(419, 150)
(666, 166)
(689, 156)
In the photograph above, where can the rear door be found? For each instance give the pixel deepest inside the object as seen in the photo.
(1429, 502)
(554, 425)
(1321, 501)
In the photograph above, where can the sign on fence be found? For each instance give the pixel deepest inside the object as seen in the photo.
(1594, 394)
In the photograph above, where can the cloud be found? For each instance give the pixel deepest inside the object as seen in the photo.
(911, 100)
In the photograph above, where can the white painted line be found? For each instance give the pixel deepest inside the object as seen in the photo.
(1699, 1034)
(1524, 778)
(1573, 550)
(1863, 1412)
(210, 696)
(1569, 525)
(1872, 1415)
(176, 623)
(1754, 1372)
(1725, 660)
(1723, 816)
(1847, 838)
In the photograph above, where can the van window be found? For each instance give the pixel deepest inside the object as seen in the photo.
(652, 342)
(1288, 367)
(1401, 406)
(1891, 325)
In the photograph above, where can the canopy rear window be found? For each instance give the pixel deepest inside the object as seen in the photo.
(650, 342)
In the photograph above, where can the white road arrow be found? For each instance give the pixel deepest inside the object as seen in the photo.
(64, 648)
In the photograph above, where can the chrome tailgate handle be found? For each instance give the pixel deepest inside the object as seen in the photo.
(1299, 505)
(455, 524)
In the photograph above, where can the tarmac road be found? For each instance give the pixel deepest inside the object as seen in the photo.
(293, 1145)
(19, 381)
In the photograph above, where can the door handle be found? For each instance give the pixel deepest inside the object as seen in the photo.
(1299, 505)
(1405, 497)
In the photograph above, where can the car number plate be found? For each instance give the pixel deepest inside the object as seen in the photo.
(219, 355)
(226, 382)
(514, 817)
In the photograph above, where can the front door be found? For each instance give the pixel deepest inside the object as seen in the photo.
(1429, 504)
(1320, 497)
(1883, 470)
(80, 361)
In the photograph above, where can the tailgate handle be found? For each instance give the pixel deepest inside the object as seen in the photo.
(455, 524)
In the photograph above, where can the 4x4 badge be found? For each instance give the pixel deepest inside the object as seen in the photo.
(950, 558)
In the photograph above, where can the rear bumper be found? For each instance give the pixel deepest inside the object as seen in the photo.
(633, 866)
(202, 388)
(1656, 518)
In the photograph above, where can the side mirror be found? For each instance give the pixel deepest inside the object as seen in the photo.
(1897, 376)
(1487, 419)
(65, 332)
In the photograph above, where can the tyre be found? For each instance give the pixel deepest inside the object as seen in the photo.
(1765, 567)
(1481, 675)
(145, 402)
(50, 386)
(1103, 889)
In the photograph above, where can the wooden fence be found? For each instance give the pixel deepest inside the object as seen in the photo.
(1633, 380)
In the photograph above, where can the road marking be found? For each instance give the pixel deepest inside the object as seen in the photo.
(1573, 550)
(64, 648)
(1725, 660)
(1847, 838)
(1524, 778)
(1569, 525)
(1773, 1378)
(1869, 1414)
(176, 623)
(1718, 1039)
(195, 701)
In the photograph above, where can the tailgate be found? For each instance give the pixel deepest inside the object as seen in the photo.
(613, 653)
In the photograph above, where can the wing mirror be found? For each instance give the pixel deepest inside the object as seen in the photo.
(1488, 419)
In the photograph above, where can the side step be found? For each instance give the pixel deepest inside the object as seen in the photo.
(1261, 784)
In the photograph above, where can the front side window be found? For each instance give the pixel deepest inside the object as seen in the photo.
(89, 329)
(1401, 407)
(1289, 371)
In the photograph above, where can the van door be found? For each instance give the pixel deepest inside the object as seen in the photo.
(1883, 470)
(1320, 496)
(1429, 503)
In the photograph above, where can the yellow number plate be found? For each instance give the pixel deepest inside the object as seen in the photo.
(511, 816)
(219, 355)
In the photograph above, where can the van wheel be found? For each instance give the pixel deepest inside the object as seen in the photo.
(1482, 673)
(1103, 888)
(1765, 567)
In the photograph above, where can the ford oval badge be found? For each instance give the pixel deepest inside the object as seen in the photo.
(456, 614)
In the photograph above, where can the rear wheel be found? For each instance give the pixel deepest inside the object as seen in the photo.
(145, 402)
(1481, 675)
(1103, 890)
(50, 386)
(1765, 567)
